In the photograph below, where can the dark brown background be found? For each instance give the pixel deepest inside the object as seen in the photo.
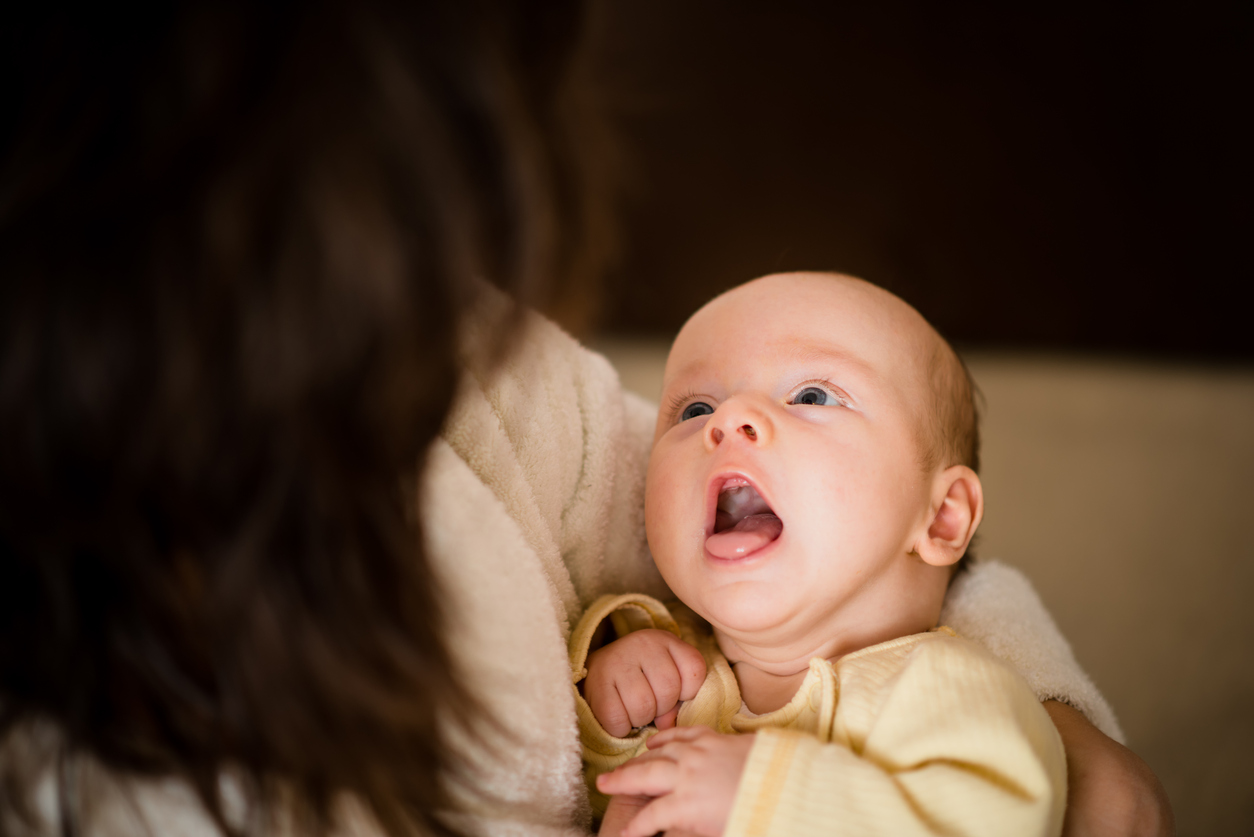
(1064, 192)
(1028, 176)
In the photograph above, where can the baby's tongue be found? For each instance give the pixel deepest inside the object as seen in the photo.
(749, 535)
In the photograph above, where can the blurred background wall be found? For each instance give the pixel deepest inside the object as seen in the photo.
(1065, 193)
(1025, 174)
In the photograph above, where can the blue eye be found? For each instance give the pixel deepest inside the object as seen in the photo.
(696, 408)
(814, 396)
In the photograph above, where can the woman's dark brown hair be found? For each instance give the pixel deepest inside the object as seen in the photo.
(235, 238)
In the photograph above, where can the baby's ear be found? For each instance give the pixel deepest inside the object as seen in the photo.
(957, 508)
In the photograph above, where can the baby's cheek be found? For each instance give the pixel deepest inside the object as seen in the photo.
(665, 542)
(675, 511)
(659, 500)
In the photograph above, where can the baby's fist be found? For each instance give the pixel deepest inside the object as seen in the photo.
(640, 678)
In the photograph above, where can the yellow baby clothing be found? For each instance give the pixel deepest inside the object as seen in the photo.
(924, 734)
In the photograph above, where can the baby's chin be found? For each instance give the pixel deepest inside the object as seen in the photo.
(743, 607)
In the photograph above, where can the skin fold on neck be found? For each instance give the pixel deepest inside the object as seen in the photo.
(769, 668)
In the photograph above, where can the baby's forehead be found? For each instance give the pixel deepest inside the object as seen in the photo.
(809, 298)
(810, 316)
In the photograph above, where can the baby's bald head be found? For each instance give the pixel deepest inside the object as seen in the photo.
(948, 421)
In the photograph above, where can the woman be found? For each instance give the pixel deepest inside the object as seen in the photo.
(241, 251)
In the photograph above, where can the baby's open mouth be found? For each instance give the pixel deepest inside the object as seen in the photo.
(743, 522)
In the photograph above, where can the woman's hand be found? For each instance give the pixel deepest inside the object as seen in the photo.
(1111, 792)
(692, 772)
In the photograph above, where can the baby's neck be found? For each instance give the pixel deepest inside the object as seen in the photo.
(763, 691)
(770, 674)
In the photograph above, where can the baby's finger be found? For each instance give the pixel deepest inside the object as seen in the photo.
(641, 776)
(637, 696)
(691, 667)
(678, 734)
(620, 811)
(607, 705)
(667, 720)
(664, 678)
(661, 814)
(675, 670)
(609, 710)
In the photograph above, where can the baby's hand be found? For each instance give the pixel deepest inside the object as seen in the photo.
(641, 678)
(693, 772)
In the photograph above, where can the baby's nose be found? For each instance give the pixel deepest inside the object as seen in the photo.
(745, 417)
(748, 430)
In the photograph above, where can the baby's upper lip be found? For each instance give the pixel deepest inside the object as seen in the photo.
(733, 496)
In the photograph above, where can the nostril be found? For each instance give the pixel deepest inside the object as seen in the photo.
(716, 434)
(749, 431)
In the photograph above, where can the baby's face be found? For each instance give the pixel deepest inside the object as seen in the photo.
(785, 478)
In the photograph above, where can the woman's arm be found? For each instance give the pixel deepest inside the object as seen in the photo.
(1111, 792)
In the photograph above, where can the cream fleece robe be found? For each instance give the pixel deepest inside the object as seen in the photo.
(533, 507)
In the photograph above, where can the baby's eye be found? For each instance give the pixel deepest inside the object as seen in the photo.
(815, 396)
(696, 408)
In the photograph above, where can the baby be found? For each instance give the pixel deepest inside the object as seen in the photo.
(810, 492)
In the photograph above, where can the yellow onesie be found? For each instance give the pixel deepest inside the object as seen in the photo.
(925, 734)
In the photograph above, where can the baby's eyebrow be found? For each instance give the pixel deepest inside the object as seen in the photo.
(822, 354)
(800, 354)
